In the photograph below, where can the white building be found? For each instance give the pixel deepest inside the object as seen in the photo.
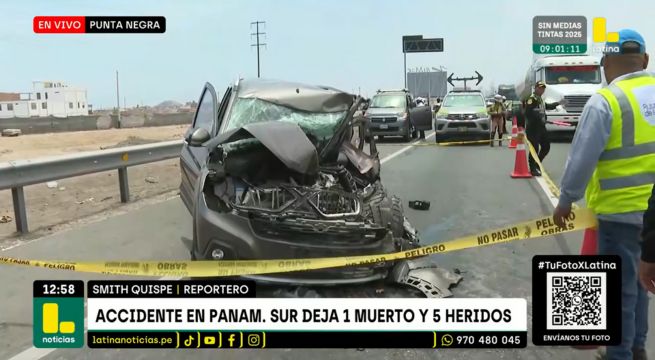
(48, 98)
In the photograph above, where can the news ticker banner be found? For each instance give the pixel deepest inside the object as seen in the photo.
(99, 24)
(226, 314)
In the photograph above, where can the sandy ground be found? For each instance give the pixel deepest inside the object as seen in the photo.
(87, 195)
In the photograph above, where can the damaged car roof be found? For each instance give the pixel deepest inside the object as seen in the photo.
(310, 98)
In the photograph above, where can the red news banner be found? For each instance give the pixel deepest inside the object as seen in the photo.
(99, 24)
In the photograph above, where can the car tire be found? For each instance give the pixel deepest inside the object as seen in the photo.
(397, 217)
(414, 133)
(380, 137)
(408, 133)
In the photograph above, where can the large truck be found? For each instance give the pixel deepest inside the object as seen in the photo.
(574, 78)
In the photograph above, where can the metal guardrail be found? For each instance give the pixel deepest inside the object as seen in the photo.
(15, 175)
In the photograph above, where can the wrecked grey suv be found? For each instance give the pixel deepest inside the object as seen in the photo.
(278, 170)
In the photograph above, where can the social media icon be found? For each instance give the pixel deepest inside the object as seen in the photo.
(231, 339)
(446, 340)
(210, 340)
(189, 341)
(254, 340)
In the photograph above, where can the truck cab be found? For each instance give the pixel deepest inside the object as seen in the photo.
(573, 78)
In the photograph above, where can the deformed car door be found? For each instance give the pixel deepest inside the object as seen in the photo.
(194, 154)
(421, 117)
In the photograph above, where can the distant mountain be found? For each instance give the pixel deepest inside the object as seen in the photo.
(169, 104)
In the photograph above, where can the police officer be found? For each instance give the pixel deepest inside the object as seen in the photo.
(535, 127)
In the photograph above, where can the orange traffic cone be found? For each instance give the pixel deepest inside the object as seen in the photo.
(521, 169)
(589, 242)
(515, 130)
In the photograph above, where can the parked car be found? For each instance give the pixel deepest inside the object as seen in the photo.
(280, 171)
(394, 113)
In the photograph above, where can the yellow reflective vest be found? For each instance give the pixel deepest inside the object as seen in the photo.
(624, 176)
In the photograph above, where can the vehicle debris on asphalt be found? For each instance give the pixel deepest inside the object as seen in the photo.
(419, 205)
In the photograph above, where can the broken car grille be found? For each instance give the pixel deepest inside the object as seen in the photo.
(318, 232)
(301, 201)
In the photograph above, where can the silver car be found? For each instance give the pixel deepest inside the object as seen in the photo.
(463, 114)
(394, 113)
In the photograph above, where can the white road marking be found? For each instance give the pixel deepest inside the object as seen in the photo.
(389, 157)
(33, 353)
(544, 186)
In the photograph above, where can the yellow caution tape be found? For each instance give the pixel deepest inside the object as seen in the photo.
(554, 190)
(580, 219)
(447, 143)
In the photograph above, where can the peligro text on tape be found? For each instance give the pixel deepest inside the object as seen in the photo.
(580, 219)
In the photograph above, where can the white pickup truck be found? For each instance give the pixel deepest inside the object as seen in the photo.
(572, 77)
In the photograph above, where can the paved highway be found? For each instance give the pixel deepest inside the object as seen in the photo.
(470, 191)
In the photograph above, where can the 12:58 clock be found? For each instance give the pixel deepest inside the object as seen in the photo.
(58, 288)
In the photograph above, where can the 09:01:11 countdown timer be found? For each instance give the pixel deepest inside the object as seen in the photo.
(559, 48)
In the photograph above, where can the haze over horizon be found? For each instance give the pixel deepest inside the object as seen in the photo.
(348, 45)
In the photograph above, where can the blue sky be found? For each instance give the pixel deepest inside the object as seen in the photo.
(347, 44)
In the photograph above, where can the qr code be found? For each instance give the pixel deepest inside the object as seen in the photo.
(576, 301)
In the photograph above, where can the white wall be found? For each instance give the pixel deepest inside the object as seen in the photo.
(57, 101)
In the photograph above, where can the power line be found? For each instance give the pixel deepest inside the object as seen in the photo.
(258, 44)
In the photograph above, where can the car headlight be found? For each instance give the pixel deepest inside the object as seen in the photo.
(482, 115)
(403, 116)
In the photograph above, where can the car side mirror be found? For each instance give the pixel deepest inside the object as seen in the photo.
(198, 137)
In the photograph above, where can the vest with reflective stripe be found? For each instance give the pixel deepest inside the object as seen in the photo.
(624, 176)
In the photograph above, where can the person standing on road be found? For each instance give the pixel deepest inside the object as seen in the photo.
(497, 116)
(535, 129)
(647, 264)
(613, 157)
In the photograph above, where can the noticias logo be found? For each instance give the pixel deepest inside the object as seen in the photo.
(99, 24)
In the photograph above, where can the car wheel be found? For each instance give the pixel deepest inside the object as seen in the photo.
(380, 137)
(367, 139)
(408, 133)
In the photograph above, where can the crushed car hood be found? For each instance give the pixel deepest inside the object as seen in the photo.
(285, 140)
(303, 97)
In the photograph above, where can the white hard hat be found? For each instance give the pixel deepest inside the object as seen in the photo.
(498, 97)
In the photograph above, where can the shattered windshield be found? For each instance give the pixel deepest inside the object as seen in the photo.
(319, 127)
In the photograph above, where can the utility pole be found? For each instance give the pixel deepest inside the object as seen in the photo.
(118, 102)
(258, 44)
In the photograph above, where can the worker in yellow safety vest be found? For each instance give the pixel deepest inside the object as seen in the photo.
(497, 118)
(612, 162)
